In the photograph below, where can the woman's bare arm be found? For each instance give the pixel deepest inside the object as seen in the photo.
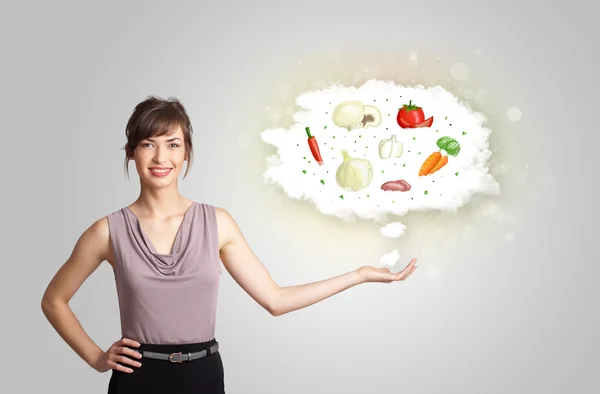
(92, 248)
(253, 277)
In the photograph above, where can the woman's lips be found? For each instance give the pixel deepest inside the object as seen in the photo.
(160, 173)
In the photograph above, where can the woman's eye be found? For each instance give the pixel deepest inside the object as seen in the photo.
(175, 145)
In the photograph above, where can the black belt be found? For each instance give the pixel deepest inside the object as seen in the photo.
(181, 357)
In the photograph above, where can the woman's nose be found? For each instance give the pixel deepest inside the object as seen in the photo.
(160, 156)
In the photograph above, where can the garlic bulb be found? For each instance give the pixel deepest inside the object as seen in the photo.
(354, 173)
(390, 148)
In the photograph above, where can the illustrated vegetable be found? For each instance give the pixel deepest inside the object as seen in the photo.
(353, 115)
(399, 185)
(448, 144)
(425, 123)
(314, 147)
(436, 160)
(390, 148)
(354, 173)
(412, 116)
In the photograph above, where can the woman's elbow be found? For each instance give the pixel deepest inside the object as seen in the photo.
(275, 306)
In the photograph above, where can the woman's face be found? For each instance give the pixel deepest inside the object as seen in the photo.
(159, 160)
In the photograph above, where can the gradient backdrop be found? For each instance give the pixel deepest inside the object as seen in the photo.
(505, 299)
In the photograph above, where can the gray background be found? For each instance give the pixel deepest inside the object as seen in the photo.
(505, 297)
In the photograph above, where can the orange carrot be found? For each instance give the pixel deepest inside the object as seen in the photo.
(430, 163)
(439, 165)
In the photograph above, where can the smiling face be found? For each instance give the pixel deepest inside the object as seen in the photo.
(159, 137)
(159, 159)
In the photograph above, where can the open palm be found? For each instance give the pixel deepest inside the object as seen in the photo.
(372, 274)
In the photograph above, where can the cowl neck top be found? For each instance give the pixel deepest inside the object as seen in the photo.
(167, 264)
(167, 298)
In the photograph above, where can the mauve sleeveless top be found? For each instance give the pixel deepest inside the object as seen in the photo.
(167, 298)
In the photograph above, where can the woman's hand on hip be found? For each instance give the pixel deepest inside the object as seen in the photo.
(372, 274)
(117, 355)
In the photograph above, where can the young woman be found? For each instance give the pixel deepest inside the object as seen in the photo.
(166, 251)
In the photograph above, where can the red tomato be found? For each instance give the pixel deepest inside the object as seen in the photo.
(425, 123)
(410, 115)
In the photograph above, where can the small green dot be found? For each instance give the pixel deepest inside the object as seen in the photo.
(456, 174)
(404, 165)
(388, 114)
(419, 153)
(304, 171)
(309, 161)
(426, 192)
(322, 181)
(386, 99)
(368, 195)
(445, 118)
(464, 133)
(437, 131)
(342, 196)
(334, 136)
(382, 171)
(304, 157)
(414, 138)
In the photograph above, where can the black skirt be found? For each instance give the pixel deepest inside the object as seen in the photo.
(201, 376)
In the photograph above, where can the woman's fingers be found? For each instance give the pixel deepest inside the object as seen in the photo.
(119, 352)
(405, 273)
(129, 352)
(128, 342)
(126, 360)
(114, 365)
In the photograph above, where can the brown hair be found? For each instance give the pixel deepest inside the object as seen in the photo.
(157, 117)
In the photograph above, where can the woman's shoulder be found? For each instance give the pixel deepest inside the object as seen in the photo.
(95, 239)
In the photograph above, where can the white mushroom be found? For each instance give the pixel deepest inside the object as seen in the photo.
(353, 115)
(372, 117)
(348, 114)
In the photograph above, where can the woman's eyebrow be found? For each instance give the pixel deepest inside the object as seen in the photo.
(169, 140)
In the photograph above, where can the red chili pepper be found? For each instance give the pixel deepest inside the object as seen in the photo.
(314, 147)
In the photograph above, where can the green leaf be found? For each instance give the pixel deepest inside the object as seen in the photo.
(304, 171)
(342, 196)
(322, 181)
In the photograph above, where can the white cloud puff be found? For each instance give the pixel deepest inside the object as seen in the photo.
(465, 175)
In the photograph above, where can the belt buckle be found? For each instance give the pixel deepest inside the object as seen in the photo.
(174, 361)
